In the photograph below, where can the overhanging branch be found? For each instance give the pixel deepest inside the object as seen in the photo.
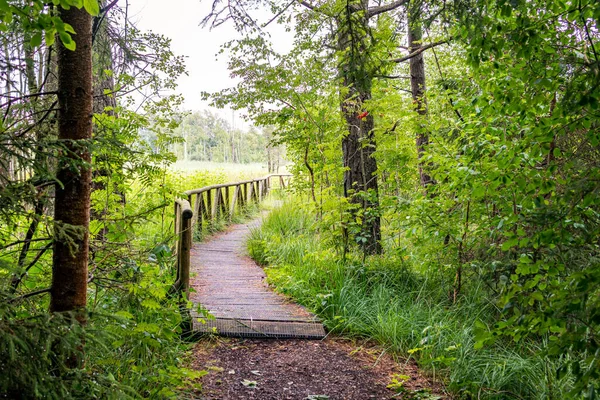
(278, 14)
(385, 8)
(419, 51)
(313, 7)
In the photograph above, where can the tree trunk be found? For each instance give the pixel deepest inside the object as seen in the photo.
(360, 176)
(72, 200)
(417, 84)
(104, 102)
(358, 146)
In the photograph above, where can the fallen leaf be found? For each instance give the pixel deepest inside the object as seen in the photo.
(249, 384)
(255, 373)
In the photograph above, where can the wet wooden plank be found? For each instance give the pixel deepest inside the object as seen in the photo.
(233, 289)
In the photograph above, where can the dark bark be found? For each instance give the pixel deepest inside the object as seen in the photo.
(360, 177)
(72, 200)
(358, 146)
(417, 84)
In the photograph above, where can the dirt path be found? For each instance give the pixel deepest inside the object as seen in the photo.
(266, 369)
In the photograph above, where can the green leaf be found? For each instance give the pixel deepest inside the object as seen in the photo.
(151, 304)
(537, 296)
(479, 344)
(50, 36)
(67, 40)
(124, 314)
(91, 6)
(8, 17)
(71, 46)
(509, 244)
(68, 28)
(36, 40)
(478, 191)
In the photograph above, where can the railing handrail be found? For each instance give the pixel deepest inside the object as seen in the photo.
(226, 185)
(189, 213)
(186, 208)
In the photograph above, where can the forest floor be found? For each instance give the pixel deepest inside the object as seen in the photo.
(306, 369)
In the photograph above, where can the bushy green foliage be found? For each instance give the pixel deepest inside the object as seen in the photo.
(127, 354)
(510, 220)
(127, 342)
(392, 300)
(131, 341)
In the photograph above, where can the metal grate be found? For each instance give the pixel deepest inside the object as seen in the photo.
(248, 328)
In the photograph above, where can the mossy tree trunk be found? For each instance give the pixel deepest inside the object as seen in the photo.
(358, 145)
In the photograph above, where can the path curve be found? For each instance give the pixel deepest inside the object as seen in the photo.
(233, 289)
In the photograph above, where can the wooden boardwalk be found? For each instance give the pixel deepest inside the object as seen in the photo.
(233, 289)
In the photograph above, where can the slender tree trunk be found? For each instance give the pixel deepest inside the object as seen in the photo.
(72, 200)
(104, 102)
(6, 175)
(417, 84)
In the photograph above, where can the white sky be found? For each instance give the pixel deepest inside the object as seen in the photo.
(179, 20)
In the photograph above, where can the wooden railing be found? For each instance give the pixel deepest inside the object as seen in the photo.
(208, 205)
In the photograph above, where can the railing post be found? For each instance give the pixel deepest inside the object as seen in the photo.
(198, 213)
(234, 199)
(205, 207)
(215, 205)
(243, 195)
(250, 192)
(224, 201)
(192, 205)
(176, 222)
(268, 186)
(185, 258)
(183, 233)
(209, 206)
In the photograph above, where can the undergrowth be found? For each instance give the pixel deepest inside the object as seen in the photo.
(386, 299)
(130, 345)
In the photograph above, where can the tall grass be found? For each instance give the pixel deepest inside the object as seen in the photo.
(385, 300)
